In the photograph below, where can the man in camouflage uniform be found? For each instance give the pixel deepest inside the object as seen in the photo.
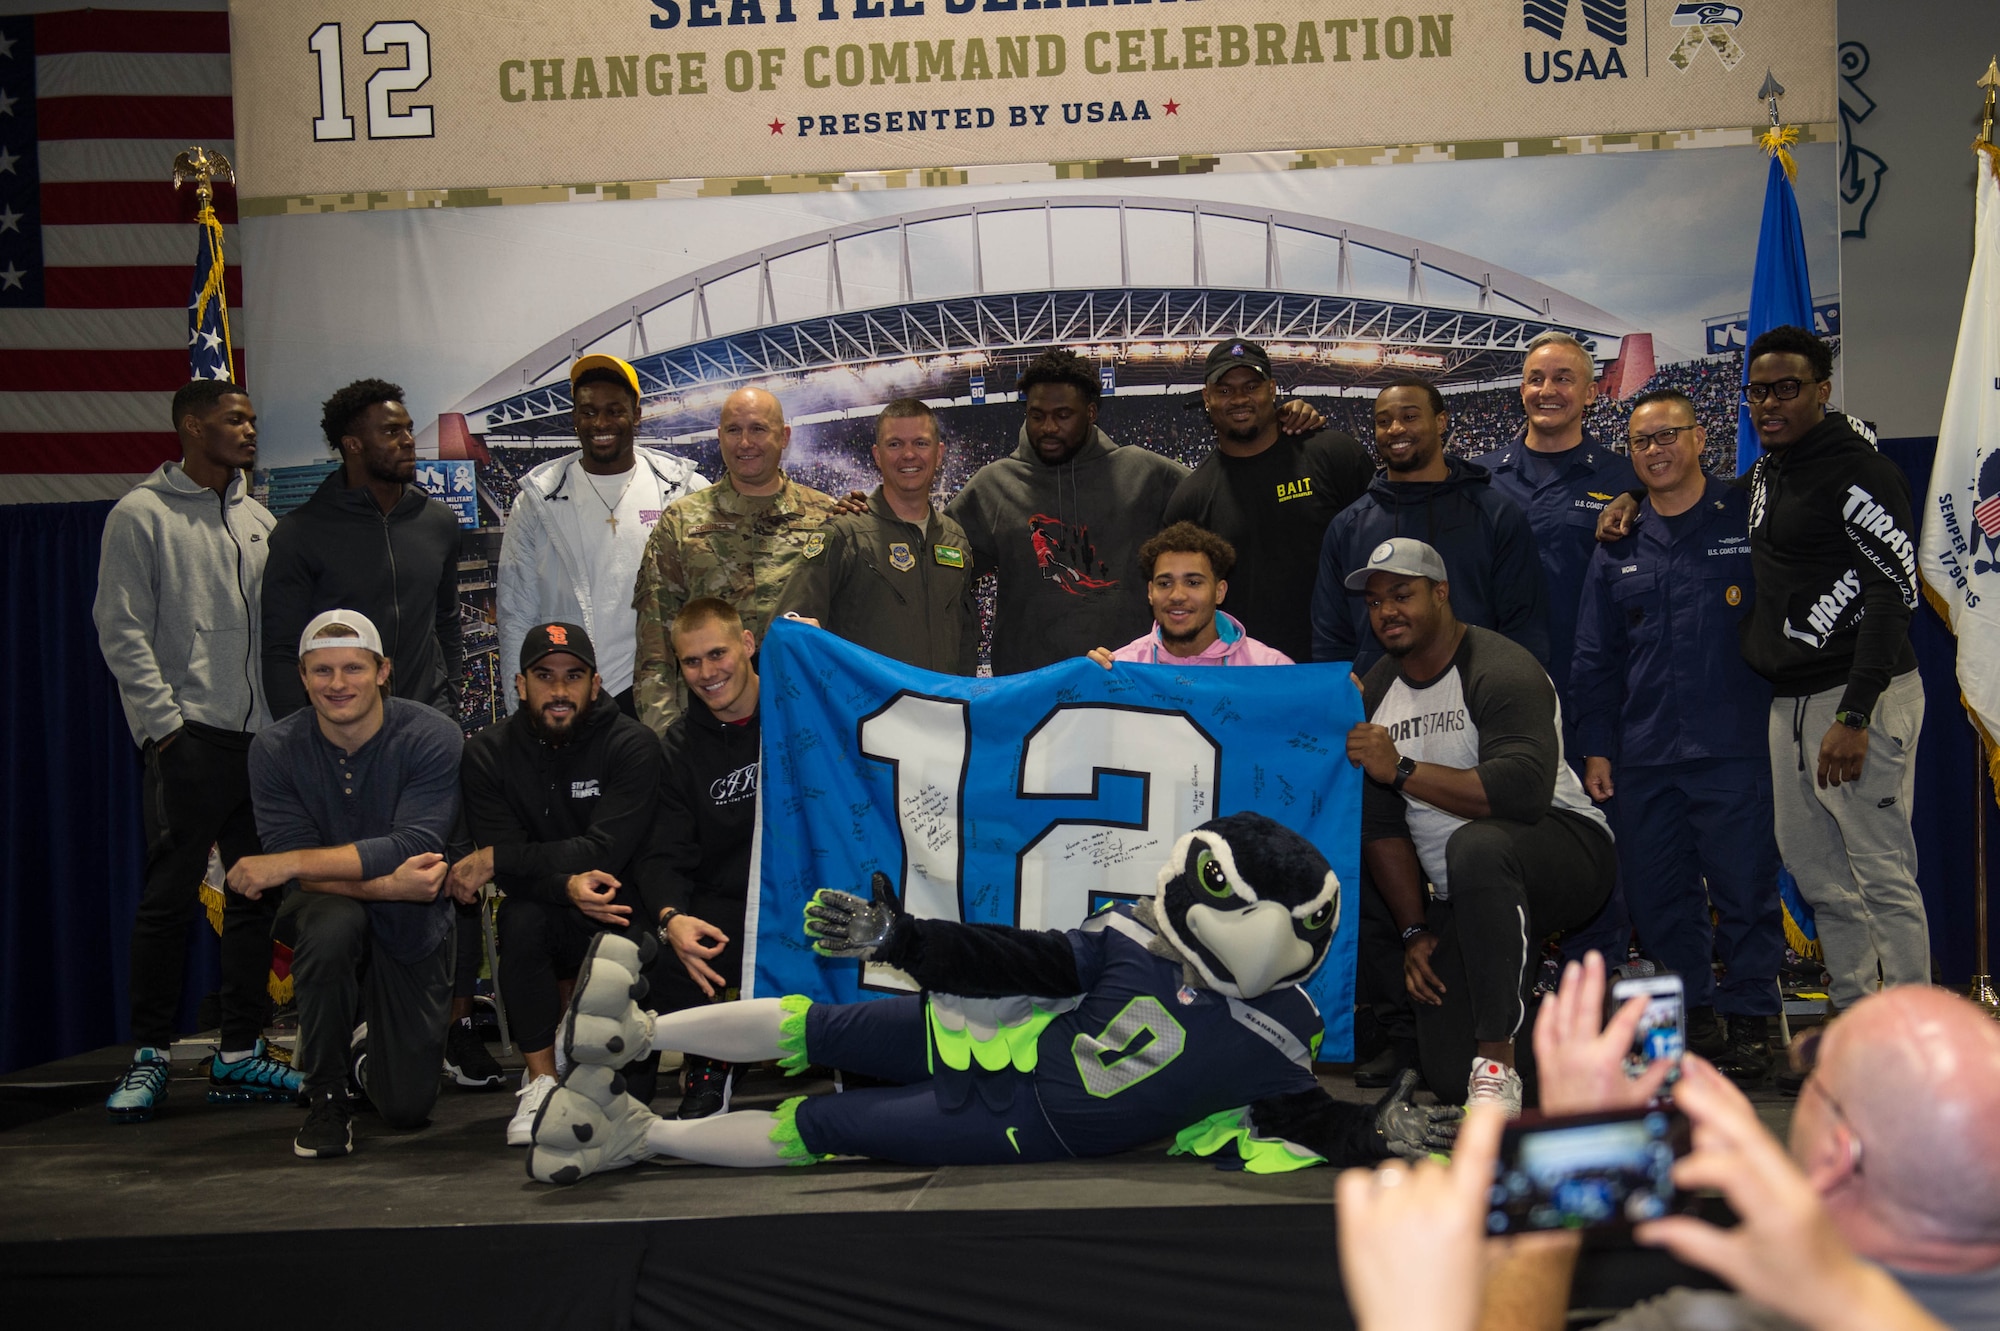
(737, 541)
(898, 578)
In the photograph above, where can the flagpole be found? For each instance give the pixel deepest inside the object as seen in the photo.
(204, 167)
(1981, 991)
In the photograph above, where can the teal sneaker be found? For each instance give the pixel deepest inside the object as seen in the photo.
(258, 1077)
(142, 1089)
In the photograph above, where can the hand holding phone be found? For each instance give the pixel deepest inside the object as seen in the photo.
(1662, 1032)
(1587, 1171)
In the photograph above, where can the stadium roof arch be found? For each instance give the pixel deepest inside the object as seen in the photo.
(1376, 305)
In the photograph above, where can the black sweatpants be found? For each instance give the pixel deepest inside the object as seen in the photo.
(675, 990)
(342, 977)
(1512, 885)
(540, 945)
(197, 794)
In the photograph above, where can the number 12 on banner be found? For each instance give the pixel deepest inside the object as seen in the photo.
(333, 123)
(1065, 866)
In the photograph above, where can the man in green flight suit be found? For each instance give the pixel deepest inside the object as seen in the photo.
(898, 578)
(738, 541)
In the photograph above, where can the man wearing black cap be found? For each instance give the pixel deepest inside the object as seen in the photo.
(1267, 493)
(560, 798)
(577, 531)
(1467, 789)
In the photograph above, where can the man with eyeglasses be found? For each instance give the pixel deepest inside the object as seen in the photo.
(1671, 719)
(1896, 1143)
(1836, 574)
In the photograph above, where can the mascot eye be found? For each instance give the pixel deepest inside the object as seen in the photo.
(1318, 919)
(1208, 872)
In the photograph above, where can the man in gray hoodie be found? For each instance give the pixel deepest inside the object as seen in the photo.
(176, 611)
(1061, 521)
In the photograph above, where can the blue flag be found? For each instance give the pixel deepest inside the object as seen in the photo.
(1780, 290)
(1029, 800)
(209, 354)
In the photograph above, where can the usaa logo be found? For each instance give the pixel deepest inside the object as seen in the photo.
(1603, 19)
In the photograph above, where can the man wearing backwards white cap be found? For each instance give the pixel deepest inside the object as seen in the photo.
(579, 527)
(355, 798)
(1467, 788)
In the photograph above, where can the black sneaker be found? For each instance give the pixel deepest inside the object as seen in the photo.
(466, 1060)
(329, 1130)
(1385, 1067)
(708, 1083)
(1706, 1035)
(357, 1068)
(1748, 1060)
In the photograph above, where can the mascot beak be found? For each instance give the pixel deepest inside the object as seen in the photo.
(1257, 946)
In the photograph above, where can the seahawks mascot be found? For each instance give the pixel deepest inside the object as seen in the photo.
(1176, 1016)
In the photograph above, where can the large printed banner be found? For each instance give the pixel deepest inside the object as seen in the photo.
(353, 96)
(1029, 800)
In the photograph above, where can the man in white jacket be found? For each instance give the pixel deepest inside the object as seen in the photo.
(579, 526)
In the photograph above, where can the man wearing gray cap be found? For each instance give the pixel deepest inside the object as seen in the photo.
(355, 798)
(1467, 789)
(1268, 493)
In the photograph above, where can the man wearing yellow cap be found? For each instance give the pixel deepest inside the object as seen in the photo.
(576, 534)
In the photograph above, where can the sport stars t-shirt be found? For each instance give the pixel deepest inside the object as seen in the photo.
(1274, 508)
(1492, 709)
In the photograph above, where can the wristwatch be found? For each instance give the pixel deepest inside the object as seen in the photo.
(667, 918)
(1852, 720)
(1405, 769)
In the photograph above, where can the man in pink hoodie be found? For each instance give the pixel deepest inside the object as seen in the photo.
(1187, 575)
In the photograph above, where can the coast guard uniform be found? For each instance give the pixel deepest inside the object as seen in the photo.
(1659, 686)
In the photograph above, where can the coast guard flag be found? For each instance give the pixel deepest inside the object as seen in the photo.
(1029, 800)
(1780, 289)
(1960, 552)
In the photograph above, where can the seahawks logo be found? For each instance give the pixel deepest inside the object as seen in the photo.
(1705, 15)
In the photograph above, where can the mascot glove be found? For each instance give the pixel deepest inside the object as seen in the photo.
(1411, 1130)
(843, 925)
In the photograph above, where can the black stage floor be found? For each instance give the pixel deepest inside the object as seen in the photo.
(205, 1215)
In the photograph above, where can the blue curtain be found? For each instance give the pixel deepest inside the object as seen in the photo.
(72, 854)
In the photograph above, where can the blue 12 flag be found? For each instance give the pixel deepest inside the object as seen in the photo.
(1780, 290)
(1029, 800)
(208, 305)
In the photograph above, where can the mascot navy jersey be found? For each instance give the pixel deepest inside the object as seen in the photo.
(1145, 1055)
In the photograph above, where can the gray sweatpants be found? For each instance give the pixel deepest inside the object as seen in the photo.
(1850, 846)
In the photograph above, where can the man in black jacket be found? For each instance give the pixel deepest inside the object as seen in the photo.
(560, 798)
(1836, 565)
(708, 817)
(371, 541)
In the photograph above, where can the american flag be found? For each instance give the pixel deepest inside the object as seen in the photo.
(95, 242)
(1987, 515)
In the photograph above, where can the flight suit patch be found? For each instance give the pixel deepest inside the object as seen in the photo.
(948, 555)
(900, 557)
(815, 545)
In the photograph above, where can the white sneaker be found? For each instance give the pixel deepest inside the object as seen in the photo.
(1495, 1084)
(521, 1127)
